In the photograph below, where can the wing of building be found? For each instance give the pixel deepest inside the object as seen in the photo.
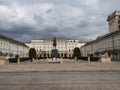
(108, 43)
(44, 46)
(11, 48)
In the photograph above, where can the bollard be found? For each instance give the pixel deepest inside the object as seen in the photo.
(61, 59)
(47, 60)
(33, 60)
(88, 59)
(18, 60)
(75, 59)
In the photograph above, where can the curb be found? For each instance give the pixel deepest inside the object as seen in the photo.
(28, 71)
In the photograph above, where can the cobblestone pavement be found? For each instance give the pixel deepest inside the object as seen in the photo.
(60, 81)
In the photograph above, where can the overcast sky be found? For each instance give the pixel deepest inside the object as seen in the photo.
(24, 20)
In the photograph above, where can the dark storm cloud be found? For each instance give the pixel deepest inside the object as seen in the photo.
(3, 3)
(76, 19)
(18, 33)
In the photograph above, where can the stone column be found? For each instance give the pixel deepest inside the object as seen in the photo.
(46, 55)
(49, 54)
(63, 54)
(67, 55)
(60, 55)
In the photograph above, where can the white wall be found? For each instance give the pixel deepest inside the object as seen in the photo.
(12, 48)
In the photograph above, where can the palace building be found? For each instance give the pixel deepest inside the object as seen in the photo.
(108, 43)
(44, 46)
(11, 48)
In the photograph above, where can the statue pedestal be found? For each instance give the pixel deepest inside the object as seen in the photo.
(54, 60)
(54, 53)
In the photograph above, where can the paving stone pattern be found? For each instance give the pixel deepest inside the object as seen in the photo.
(60, 81)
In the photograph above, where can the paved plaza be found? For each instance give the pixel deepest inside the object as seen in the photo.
(68, 66)
(69, 75)
(60, 81)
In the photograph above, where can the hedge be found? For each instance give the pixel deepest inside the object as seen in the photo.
(32, 53)
(91, 58)
(76, 52)
(83, 58)
(14, 60)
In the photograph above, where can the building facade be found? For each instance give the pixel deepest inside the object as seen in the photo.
(11, 48)
(44, 46)
(108, 43)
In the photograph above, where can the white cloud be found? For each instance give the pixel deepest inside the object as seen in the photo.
(90, 2)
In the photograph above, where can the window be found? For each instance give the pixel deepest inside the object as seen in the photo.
(118, 21)
(119, 42)
(119, 27)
